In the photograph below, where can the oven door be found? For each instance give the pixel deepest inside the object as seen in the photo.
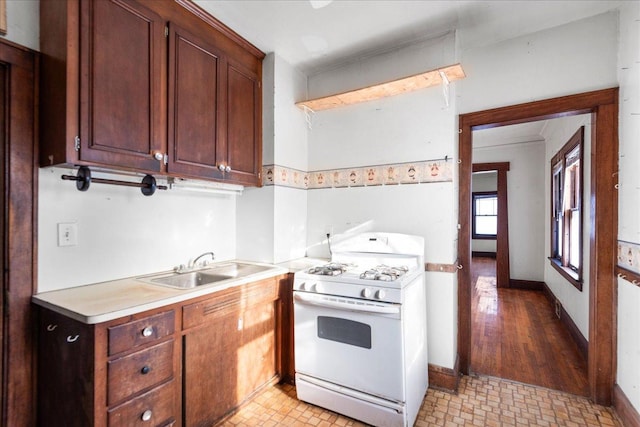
(350, 342)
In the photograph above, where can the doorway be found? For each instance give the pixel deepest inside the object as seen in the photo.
(603, 105)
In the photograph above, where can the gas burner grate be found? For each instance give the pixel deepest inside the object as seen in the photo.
(331, 269)
(384, 273)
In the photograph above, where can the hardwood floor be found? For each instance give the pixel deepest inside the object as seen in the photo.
(516, 335)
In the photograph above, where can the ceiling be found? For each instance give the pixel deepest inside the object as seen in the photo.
(314, 39)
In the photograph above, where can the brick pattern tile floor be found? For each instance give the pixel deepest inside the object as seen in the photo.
(481, 401)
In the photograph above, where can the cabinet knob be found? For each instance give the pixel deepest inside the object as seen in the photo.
(227, 168)
(146, 415)
(158, 156)
(145, 370)
(221, 167)
(148, 331)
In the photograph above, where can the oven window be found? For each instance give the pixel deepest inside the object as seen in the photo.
(344, 331)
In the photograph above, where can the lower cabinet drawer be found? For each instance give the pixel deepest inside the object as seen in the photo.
(152, 409)
(138, 371)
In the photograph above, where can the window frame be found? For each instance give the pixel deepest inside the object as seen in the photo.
(562, 164)
(482, 195)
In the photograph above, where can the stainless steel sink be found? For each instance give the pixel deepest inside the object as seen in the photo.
(216, 273)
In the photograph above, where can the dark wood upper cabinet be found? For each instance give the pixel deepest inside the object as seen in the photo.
(195, 104)
(122, 54)
(243, 124)
(153, 86)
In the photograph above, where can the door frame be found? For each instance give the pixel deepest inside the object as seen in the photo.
(19, 219)
(503, 273)
(603, 107)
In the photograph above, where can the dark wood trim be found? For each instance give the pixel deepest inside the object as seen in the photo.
(486, 167)
(483, 254)
(603, 252)
(604, 216)
(503, 273)
(628, 275)
(561, 265)
(531, 285)
(570, 275)
(567, 321)
(445, 379)
(625, 410)
(20, 239)
(502, 239)
(441, 268)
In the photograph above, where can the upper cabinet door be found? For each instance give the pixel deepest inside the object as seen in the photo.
(122, 107)
(243, 137)
(195, 94)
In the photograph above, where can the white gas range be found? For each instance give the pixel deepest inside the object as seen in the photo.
(360, 329)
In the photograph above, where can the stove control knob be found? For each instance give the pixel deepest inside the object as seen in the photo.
(381, 294)
(366, 292)
(301, 287)
(318, 288)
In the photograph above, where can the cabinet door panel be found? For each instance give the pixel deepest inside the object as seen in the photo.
(256, 357)
(194, 94)
(211, 370)
(122, 57)
(243, 125)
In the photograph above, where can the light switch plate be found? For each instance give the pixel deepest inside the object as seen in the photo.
(67, 234)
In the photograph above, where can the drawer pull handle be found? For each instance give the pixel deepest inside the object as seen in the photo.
(145, 370)
(51, 327)
(73, 339)
(146, 415)
(148, 331)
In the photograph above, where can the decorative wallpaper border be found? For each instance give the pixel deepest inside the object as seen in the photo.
(629, 256)
(427, 171)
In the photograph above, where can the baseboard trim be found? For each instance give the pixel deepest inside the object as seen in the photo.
(583, 344)
(625, 410)
(483, 254)
(445, 379)
(530, 285)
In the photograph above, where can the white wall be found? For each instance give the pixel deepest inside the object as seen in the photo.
(628, 375)
(405, 128)
(122, 233)
(557, 133)
(23, 25)
(272, 219)
(573, 58)
(525, 198)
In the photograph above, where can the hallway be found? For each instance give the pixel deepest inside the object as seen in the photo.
(516, 335)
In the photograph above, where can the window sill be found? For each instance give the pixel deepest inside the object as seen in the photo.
(483, 237)
(572, 276)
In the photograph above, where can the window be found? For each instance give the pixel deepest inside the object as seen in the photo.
(485, 215)
(566, 210)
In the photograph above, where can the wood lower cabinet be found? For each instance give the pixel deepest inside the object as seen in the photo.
(122, 373)
(190, 363)
(229, 350)
(153, 86)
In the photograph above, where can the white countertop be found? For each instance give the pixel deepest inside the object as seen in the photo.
(106, 301)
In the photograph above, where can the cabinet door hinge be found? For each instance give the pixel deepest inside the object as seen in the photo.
(76, 143)
(166, 31)
(166, 159)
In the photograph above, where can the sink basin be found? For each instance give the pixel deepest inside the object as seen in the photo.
(205, 276)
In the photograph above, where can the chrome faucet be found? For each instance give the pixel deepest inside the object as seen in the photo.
(193, 264)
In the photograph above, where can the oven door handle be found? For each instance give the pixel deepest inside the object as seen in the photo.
(367, 308)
